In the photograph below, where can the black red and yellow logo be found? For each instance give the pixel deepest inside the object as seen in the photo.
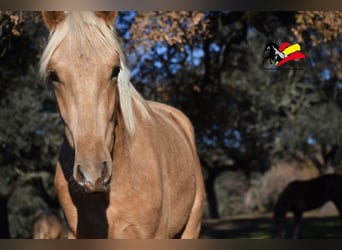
(279, 55)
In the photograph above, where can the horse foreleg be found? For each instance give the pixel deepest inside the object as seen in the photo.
(65, 200)
(71, 236)
(193, 226)
(297, 234)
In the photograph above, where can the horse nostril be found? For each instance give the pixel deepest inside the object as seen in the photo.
(80, 173)
(103, 170)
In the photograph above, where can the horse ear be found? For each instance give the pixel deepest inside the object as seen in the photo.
(52, 18)
(108, 16)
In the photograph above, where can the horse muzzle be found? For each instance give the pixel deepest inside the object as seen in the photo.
(94, 178)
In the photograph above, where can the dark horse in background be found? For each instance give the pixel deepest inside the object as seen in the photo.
(301, 196)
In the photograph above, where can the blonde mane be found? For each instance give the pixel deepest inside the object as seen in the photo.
(76, 25)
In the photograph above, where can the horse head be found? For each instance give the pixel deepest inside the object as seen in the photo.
(84, 65)
(270, 52)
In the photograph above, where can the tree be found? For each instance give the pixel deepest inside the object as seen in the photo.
(241, 112)
(30, 128)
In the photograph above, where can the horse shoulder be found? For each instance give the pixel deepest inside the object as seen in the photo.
(185, 175)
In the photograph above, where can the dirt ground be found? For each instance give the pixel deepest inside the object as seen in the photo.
(314, 226)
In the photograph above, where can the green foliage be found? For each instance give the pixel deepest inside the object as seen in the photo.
(30, 127)
(28, 133)
(246, 112)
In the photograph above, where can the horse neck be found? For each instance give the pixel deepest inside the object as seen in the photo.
(280, 208)
(141, 112)
(121, 135)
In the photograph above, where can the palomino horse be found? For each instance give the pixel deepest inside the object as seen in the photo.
(301, 196)
(128, 167)
(47, 225)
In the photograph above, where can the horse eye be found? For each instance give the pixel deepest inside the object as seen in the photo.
(53, 77)
(115, 72)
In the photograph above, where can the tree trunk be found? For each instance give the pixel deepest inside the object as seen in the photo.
(4, 224)
(211, 195)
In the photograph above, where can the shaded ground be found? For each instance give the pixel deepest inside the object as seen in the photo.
(260, 227)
